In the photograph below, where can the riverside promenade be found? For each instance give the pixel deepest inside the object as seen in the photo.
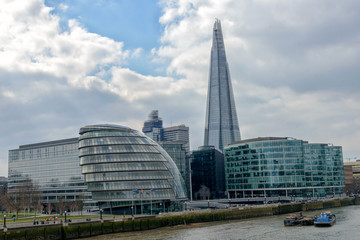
(82, 229)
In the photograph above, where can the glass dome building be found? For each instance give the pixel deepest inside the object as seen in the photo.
(129, 172)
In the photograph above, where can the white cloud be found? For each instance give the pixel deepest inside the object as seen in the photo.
(63, 7)
(294, 71)
(294, 67)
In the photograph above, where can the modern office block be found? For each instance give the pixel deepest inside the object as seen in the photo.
(126, 170)
(177, 133)
(178, 152)
(276, 166)
(207, 173)
(221, 126)
(153, 128)
(51, 166)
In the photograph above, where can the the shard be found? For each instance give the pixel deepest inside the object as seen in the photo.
(221, 126)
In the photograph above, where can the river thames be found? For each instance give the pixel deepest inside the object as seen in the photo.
(347, 227)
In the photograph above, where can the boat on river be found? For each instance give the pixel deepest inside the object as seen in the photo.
(325, 219)
(298, 219)
(293, 219)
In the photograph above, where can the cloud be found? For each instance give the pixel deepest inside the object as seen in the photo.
(293, 67)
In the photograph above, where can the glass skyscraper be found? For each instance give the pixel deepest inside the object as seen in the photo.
(221, 126)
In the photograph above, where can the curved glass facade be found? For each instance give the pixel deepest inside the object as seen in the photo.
(283, 166)
(121, 164)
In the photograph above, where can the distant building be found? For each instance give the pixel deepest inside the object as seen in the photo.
(51, 166)
(355, 167)
(276, 166)
(3, 185)
(349, 180)
(153, 126)
(3, 180)
(178, 152)
(128, 171)
(208, 180)
(221, 125)
(177, 133)
(165, 136)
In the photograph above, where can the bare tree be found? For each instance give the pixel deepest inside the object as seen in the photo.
(79, 203)
(24, 196)
(61, 204)
(203, 193)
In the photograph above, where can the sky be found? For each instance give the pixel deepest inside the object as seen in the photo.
(295, 67)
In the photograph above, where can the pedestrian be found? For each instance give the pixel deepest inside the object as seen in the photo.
(14, 218)
(50, 219)
(34, 221)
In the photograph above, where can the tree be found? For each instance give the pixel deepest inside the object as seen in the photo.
(203, 193)
(79, 203)
(24, 196)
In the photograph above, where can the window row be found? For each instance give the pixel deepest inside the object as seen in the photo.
(123, 176)
(111, 167)
(139, 157)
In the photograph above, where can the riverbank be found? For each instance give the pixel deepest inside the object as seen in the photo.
(75, 231)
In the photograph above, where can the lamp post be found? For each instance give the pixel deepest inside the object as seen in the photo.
(132, 211)
(65, 217)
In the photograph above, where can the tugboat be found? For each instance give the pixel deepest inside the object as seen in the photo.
(293, 219)
(325, 219)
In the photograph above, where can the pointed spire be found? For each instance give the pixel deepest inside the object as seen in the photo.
(221, 126)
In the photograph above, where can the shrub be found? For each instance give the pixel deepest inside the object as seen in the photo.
(16, 235)
(71, 232)
(35, 233)
(85, 230)
(154, 223)
(107, 227)
(128, 226)
(53, 233)
(118, 227)
(96, 229)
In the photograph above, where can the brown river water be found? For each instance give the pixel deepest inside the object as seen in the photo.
(347, 227)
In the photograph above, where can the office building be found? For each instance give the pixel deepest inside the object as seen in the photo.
(53, 167)
(174, 140)
(153, 128)
(207, 177)
(178, 152)
(129, 172)
(276, 166)
(221, 126)
(176, 134)
(355, 167)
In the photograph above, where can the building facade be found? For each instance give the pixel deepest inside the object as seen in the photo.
(354, 185)
(53, 167)
(178, 133)
(221, 125)
(178, 152)
(276, 166)
(129, 172)
(174, 140)
(207, 173)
